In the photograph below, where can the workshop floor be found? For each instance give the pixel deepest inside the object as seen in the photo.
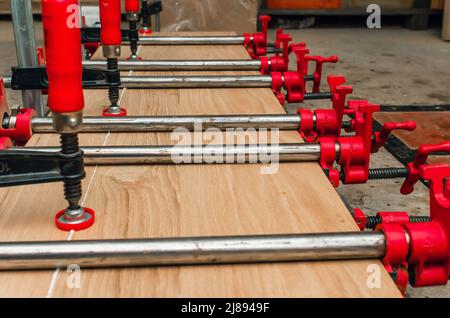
(392, 66)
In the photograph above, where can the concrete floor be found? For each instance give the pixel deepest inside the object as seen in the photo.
(391, 66)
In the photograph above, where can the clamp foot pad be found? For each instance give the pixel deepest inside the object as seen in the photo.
(86, 222)
(106, 113)
(145, 32)
(134, 58)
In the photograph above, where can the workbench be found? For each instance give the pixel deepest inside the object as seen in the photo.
(188, 200)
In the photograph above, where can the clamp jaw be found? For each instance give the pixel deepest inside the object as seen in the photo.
(256, 43)
(326, 122)
(352, 153)
(418, 248)
(428, 253)
(279, 62)
(293, 82)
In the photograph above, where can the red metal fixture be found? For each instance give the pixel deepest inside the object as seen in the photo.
(293, 82)
(381, 137)
(414, 168)
(328, 122)
(280, 61)
(256, 43)
(64, 73)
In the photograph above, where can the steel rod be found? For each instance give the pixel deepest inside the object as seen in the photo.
(192, 250)
(170, 123)
(191, 40)
(181, 65)
(195, 154)
(225, 81)
(22, 18)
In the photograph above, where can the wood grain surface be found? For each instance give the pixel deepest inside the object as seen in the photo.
(432, 127)
(165, 201)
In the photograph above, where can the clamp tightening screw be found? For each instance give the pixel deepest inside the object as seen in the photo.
(132, 14)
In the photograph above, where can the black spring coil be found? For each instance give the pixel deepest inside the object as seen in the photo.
(387, 173)
(113, 91)
(373, 221)
(72, 189)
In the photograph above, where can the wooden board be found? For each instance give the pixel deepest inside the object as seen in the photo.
(446, 22)
(164, 201)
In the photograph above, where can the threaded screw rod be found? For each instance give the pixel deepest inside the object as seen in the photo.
(112, 65)
(133, 39)
(72, 189)
(373, 221)
(387, 173)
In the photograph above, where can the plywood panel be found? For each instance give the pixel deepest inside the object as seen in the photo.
(155, 201)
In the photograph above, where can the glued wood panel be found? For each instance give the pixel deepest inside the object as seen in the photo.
(165, 201)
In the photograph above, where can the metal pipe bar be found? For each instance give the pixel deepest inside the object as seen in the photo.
(193, 154)
(225, 81)
(192, 250)
(22, 18)
(192, 40)
(170, 123)
(180, 65)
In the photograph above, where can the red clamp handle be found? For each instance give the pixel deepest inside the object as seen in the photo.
(421, 158)
(63, 50)
(355, 151)
(256, 43)
(110, 16)
(339, 93)
(328, 122)
(294, 82)
(132, 6)
(279, 62)
(380, 137)
(320, 60)
(265, 19)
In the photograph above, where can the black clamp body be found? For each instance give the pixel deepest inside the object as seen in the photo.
(30, 78)
(21, 167)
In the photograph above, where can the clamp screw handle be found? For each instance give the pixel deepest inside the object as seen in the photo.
(132, 6)
(265, 19)
(300, 52)
(110, 17)
(380, 137)
(63, 50)
(421, 158)
(320, 60)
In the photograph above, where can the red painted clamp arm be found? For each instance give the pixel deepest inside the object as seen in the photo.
(63, 52)
(294, 82)
(424, 246)
(421, 158)
(279, 62)
(380, 138)
(256, 43)
(354, 155)
(320, 60)
(132, 6)
(110, 16)
(328, 122)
